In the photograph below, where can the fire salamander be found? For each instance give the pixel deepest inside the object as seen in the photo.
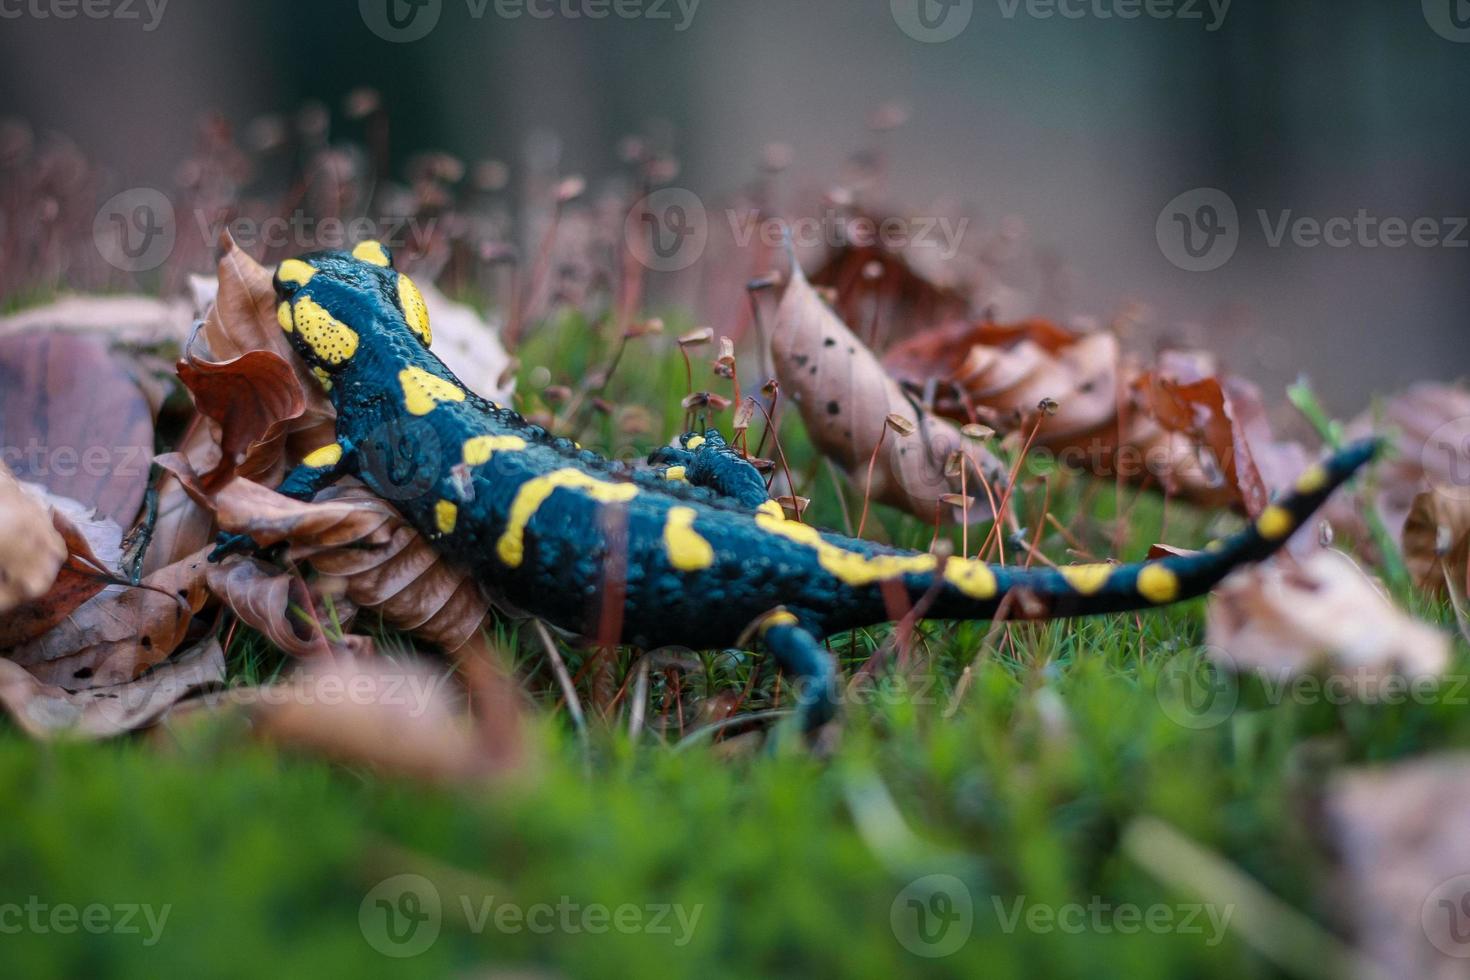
(688, 552)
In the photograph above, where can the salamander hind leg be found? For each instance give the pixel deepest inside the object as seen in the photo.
(706, 460)
(808, 665)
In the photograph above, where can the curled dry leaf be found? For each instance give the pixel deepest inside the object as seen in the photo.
(354, 535)
(73, 419)
(844, 396)
(32, 551)
(1000, 373)
(1428, 426)
(1437, 541)
(93, 548)
(276, 603)
(1400, 832)
(51, 711)
(400, 716)
(258, 405)
(1183, 424)
(1283, 621)
(115, 635)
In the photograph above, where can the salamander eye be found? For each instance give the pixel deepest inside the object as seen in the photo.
(415, 312)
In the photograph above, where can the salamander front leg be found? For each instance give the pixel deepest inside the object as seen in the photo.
(706, 460)
(807, 663)
(317, 471)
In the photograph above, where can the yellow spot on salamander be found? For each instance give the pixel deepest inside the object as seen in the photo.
(1275, 523)
(1086, 579)
(422, 390)
(1158, 584)
(323, 378)
(477, 451)
(694, 443)
(675, 473)
(283, 317)
(295, 271)
(772, 508)
(328, 455)
(415, 310)
(533, 493)
(778, 618)
(687, 551)
(848, 567)
(328, 337)
(446, 514)
(973, 578)
(1314, 479)
(371, 252)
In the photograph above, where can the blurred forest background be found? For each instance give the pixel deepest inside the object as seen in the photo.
(1084, 128)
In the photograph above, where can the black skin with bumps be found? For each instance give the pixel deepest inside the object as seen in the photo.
(603, 569)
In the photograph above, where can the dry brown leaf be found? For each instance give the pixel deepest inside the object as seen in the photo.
(352, 534)
(115, 635)
(73, 420)
(32, 551)
(1203, 411)
(1004, 371)
(50, 711)
(844, 396)
(1428, 426)
(402, 717)
(276, 603)
(1400, 832)
(1437, 541)
(140, 320)
(1285, 620)
(93, 549)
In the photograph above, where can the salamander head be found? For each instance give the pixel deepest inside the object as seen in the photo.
(332, 303)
